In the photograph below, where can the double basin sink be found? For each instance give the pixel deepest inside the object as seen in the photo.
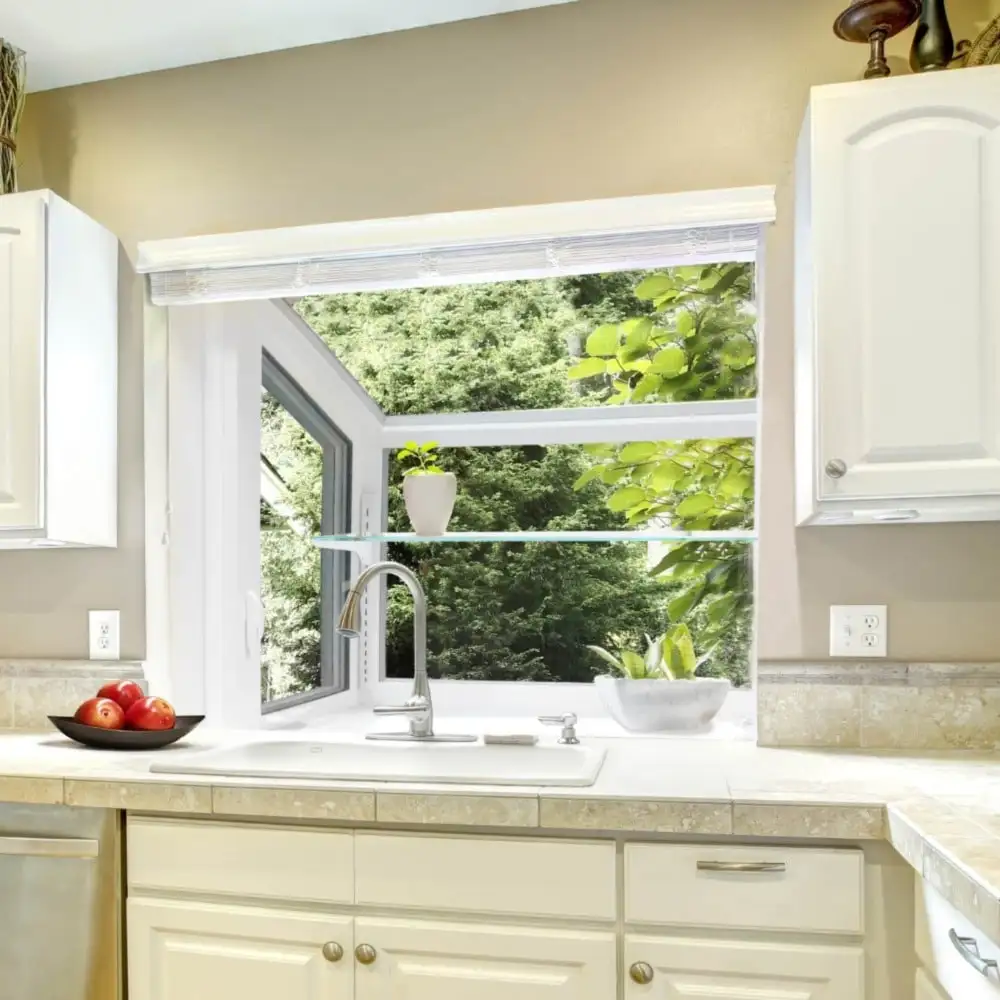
(465, 764)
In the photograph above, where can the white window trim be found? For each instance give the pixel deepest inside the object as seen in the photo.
(689, 210)
(605, 425)
(200, 577)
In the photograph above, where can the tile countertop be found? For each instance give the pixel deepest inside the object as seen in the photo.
(940, 811)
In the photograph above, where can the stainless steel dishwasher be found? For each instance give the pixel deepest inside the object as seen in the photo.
(60, 903)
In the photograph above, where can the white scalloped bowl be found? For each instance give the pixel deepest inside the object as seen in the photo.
(662, 706)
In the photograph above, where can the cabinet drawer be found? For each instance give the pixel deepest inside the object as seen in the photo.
(764, 888)
(542, 878)
(936, 919)
(242, 860)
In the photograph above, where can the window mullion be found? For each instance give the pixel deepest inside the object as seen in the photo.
(735, 418)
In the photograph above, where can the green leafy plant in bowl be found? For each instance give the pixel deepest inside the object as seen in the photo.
(659, 690)
(428, 491)
(669, 656)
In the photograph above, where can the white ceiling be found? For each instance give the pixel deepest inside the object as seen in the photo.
(77, 41)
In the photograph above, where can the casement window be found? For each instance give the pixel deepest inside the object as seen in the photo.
(301, 586)
(605, 460)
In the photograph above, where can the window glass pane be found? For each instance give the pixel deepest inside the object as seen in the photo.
(291, 472)
(301, 587)
(699, 485)
(510, 611)
(670, 335)
(530, 611)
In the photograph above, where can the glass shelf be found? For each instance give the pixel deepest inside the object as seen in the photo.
(356, 542)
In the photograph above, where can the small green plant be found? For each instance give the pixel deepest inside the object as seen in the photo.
(419, 459)
(670, 656)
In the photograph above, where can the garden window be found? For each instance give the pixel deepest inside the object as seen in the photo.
(594, 390)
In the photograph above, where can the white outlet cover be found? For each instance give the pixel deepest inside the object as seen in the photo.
(105, 635)
(859, 630)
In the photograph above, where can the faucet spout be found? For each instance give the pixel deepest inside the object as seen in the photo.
(418, 707)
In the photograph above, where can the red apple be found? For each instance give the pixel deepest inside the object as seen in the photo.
(102, 713)
(150, 713)
(125, 693)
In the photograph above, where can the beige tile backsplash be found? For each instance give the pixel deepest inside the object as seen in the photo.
(960, 718)
(892, 706)
(888, 706)
(32, 690)
(788, 715)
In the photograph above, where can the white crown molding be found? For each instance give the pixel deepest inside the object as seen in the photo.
(691, 209)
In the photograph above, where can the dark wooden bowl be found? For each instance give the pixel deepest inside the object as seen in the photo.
(125, 739)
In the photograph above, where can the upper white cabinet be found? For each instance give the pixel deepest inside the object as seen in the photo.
(897, 300)
(58, 375)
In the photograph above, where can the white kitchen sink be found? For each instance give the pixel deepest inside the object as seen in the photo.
(465, 764)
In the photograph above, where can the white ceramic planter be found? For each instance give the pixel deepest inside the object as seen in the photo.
(662, 706)
(430, 499)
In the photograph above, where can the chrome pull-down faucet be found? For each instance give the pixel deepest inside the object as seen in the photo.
(418, 707)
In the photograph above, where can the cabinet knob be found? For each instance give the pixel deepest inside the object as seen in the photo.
(332, 951)
(836, 468)
(641, 973)
(365, 954)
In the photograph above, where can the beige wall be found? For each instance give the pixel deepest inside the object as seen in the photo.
(597, 99)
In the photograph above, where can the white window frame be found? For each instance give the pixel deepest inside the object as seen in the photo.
(335, 567)
(202, 384)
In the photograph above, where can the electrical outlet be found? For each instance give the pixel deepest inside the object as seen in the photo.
(859, 630)
(105, 635)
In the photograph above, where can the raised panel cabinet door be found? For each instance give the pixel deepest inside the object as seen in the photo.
(22, 352)
(430, 960)
(678, 968)
(906, 251)
(202, 951)
(927, 989)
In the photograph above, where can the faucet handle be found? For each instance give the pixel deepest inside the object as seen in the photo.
(568, 722)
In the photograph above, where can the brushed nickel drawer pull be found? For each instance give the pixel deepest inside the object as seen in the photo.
(968, 948)
(48, 847)
(744, 867)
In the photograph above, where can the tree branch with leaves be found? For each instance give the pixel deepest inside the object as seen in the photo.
(698, 342)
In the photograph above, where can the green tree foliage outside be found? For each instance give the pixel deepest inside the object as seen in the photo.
(694, 338)
(527, 611)
(507, 611)
(290, 517)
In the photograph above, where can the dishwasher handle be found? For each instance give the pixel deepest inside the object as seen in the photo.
(48, 847)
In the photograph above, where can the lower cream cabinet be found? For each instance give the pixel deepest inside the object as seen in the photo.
(428, 960)
(265, 912)
(956, 959)
(677, 968)
(926, 989)
(203, 951)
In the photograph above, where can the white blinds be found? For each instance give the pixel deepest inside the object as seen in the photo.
(376, 268)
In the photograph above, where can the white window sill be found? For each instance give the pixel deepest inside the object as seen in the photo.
(736, 721)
